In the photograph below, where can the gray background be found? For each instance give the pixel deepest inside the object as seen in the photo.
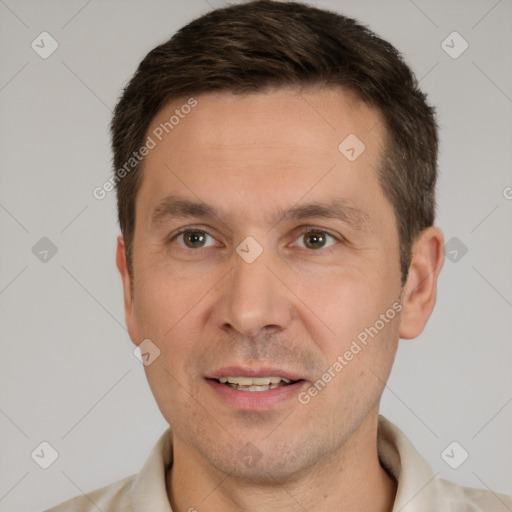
(67, 372)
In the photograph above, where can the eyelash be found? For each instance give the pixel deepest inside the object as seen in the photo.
(305, 230)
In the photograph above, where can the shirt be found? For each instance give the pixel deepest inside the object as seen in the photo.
(418, 489)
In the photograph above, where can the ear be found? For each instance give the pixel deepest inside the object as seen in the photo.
(129, 311)
(420, 290)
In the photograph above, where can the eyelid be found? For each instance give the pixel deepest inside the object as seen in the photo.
(311, 229)
(185, 229)
(299, 231)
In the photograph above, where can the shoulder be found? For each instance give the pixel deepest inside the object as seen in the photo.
(113, 497)
(468, 499)
(419, 489)
(145, 490)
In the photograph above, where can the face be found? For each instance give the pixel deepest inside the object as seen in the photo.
(266, 254)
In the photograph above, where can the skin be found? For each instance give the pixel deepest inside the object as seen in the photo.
(296, 307)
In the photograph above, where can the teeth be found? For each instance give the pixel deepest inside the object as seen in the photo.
(258, 388)
(264, 381)
(254, 388)
(243, 381)
(255, 382)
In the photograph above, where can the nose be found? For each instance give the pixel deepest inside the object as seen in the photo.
(255, 298)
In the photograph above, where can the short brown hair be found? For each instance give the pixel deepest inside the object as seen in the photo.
(250, 47)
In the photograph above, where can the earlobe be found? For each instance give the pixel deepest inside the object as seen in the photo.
(122, 266)
(128, 291)
(420, 290)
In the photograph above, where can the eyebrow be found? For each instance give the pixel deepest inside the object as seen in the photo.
(175, 207)
(333, 209)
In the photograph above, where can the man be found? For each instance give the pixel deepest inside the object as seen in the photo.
(275, 168)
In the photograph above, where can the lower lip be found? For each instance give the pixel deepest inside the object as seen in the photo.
(255, 400)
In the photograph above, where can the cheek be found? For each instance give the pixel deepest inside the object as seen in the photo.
(358, 366)
(172, 311)
(164, 301)
(360, 335)
(344, 302)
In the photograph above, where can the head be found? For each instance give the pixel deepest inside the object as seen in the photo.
(250, 48)
(295, 149)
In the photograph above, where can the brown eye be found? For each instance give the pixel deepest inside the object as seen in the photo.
(315, 239)
(194, 239)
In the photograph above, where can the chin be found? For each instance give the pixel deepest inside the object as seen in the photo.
(268, 463)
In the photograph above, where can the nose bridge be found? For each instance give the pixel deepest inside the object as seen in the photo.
(254, 298)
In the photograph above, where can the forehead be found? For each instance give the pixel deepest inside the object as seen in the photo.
(282, 144)
(314, 116)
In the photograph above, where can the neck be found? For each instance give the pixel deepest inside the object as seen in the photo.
(351, 479)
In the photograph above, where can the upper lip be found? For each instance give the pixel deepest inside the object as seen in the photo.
(238, 371)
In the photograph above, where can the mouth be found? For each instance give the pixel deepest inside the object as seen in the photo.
(254, 389)
(255, 384)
